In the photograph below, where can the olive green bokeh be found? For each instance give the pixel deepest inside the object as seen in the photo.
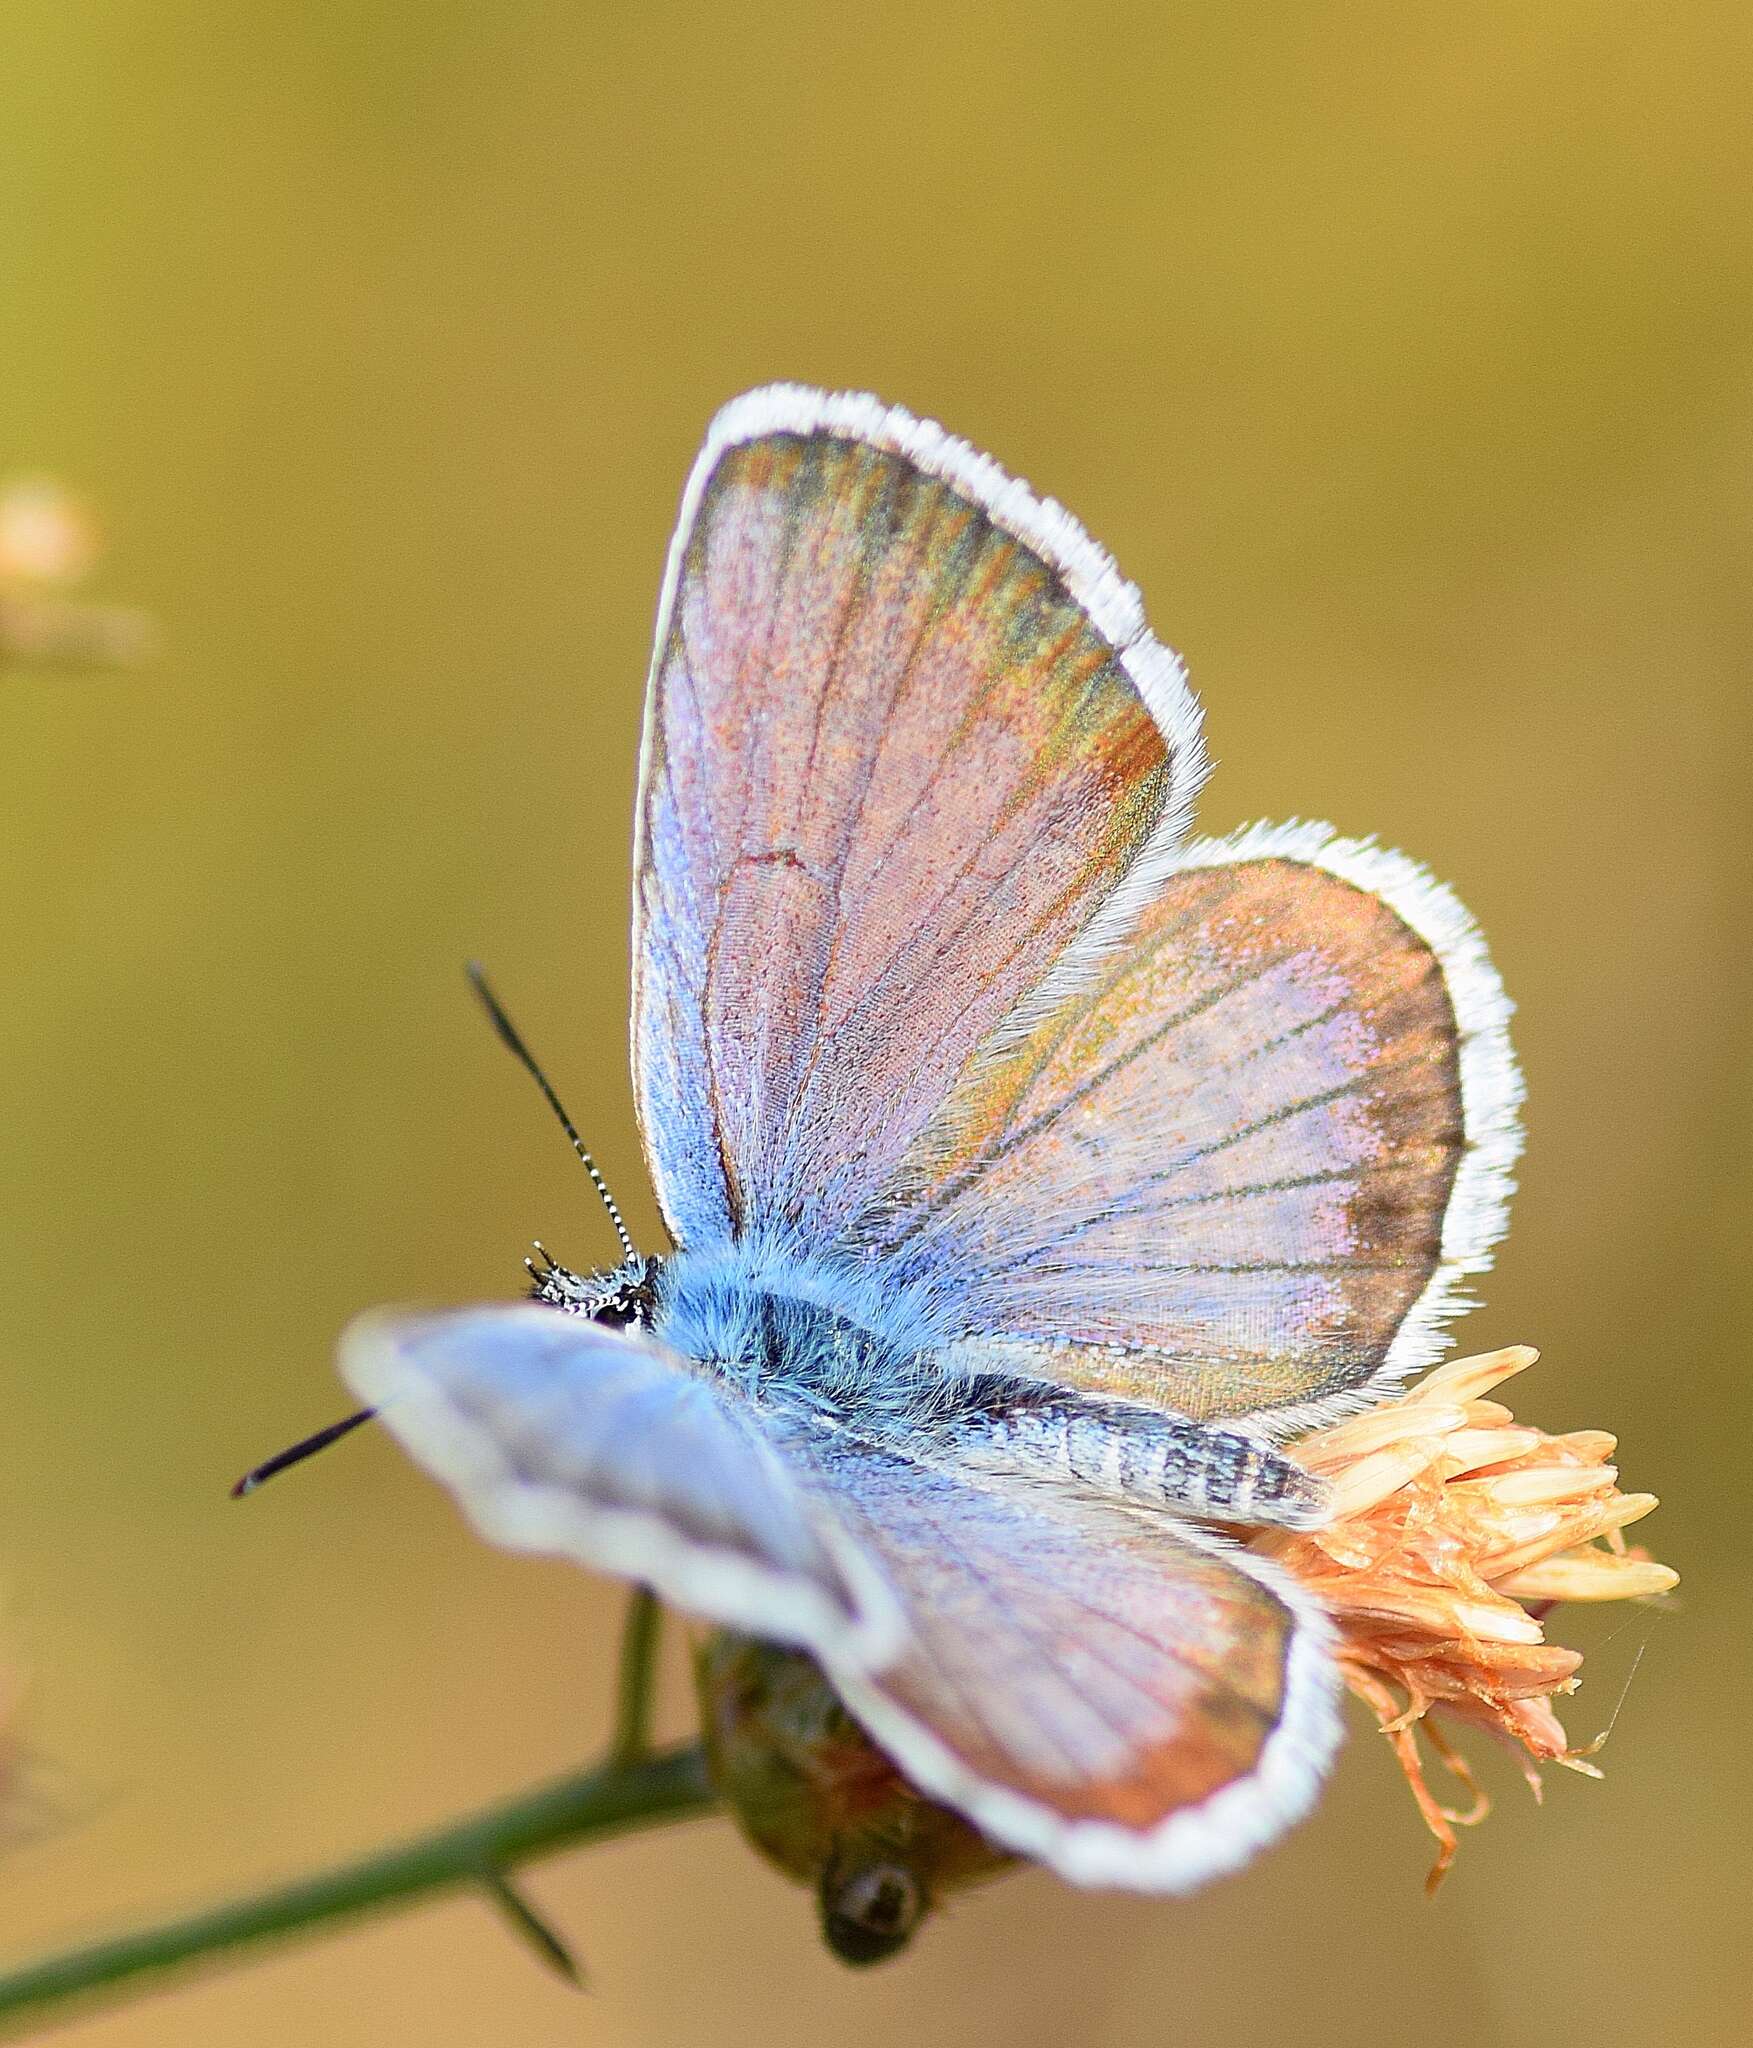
(1402, 355)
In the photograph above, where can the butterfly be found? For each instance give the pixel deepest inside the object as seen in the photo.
(1032, 1173)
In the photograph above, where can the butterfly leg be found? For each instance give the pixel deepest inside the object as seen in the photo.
(1138, 1454)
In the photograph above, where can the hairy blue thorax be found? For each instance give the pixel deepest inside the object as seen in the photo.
(786, 1331)
(794, 1331)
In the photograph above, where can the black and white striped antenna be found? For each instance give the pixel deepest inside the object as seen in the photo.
(513, 1042)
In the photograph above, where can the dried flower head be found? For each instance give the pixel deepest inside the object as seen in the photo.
(1454, 1529)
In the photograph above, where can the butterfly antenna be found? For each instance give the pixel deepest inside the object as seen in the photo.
(295, 1454)
(509, 1036)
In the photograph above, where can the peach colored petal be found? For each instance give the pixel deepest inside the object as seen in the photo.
(1469, 1449)
(1537, 1485)
(1593, 1444)
(1400, 1422)
(1489, 1415)
(1445, 1614)
(1447, 1515)
(1590, 1574)
(1361, 1486)
(1465, 1379)
(1532, 1536)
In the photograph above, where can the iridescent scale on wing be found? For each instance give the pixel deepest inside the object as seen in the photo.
(1030, 1173)
(907, 743)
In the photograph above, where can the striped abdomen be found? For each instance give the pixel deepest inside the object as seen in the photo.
(1158, 1460)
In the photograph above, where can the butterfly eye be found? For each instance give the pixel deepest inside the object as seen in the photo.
(870, 1914)
(629, 1299)
(624, 1309)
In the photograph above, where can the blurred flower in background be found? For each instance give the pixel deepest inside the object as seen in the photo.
(49, 543)
(46, 535)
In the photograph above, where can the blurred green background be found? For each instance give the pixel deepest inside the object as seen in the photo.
(1406, 358)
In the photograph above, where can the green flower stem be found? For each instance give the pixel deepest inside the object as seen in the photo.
(615, 1798)
(635, 1682)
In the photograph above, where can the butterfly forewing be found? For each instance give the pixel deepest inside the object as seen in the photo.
(899, 755)
(562, 1436)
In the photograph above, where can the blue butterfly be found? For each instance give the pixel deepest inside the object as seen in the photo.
(1032, 1174)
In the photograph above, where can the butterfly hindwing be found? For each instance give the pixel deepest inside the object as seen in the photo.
(1242, 1169)
(906, 734)
(1120, 1696)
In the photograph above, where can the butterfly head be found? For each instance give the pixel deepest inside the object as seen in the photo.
(624, 1298)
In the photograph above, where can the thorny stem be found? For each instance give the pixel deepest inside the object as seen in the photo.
(633, 1688)
(614, 1798)
(529, 1926)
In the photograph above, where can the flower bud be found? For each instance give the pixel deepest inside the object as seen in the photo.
(817, 1797)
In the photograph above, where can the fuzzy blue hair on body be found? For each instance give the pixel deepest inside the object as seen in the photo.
(796, 1331)
(806, 1336)
(799, 1334)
